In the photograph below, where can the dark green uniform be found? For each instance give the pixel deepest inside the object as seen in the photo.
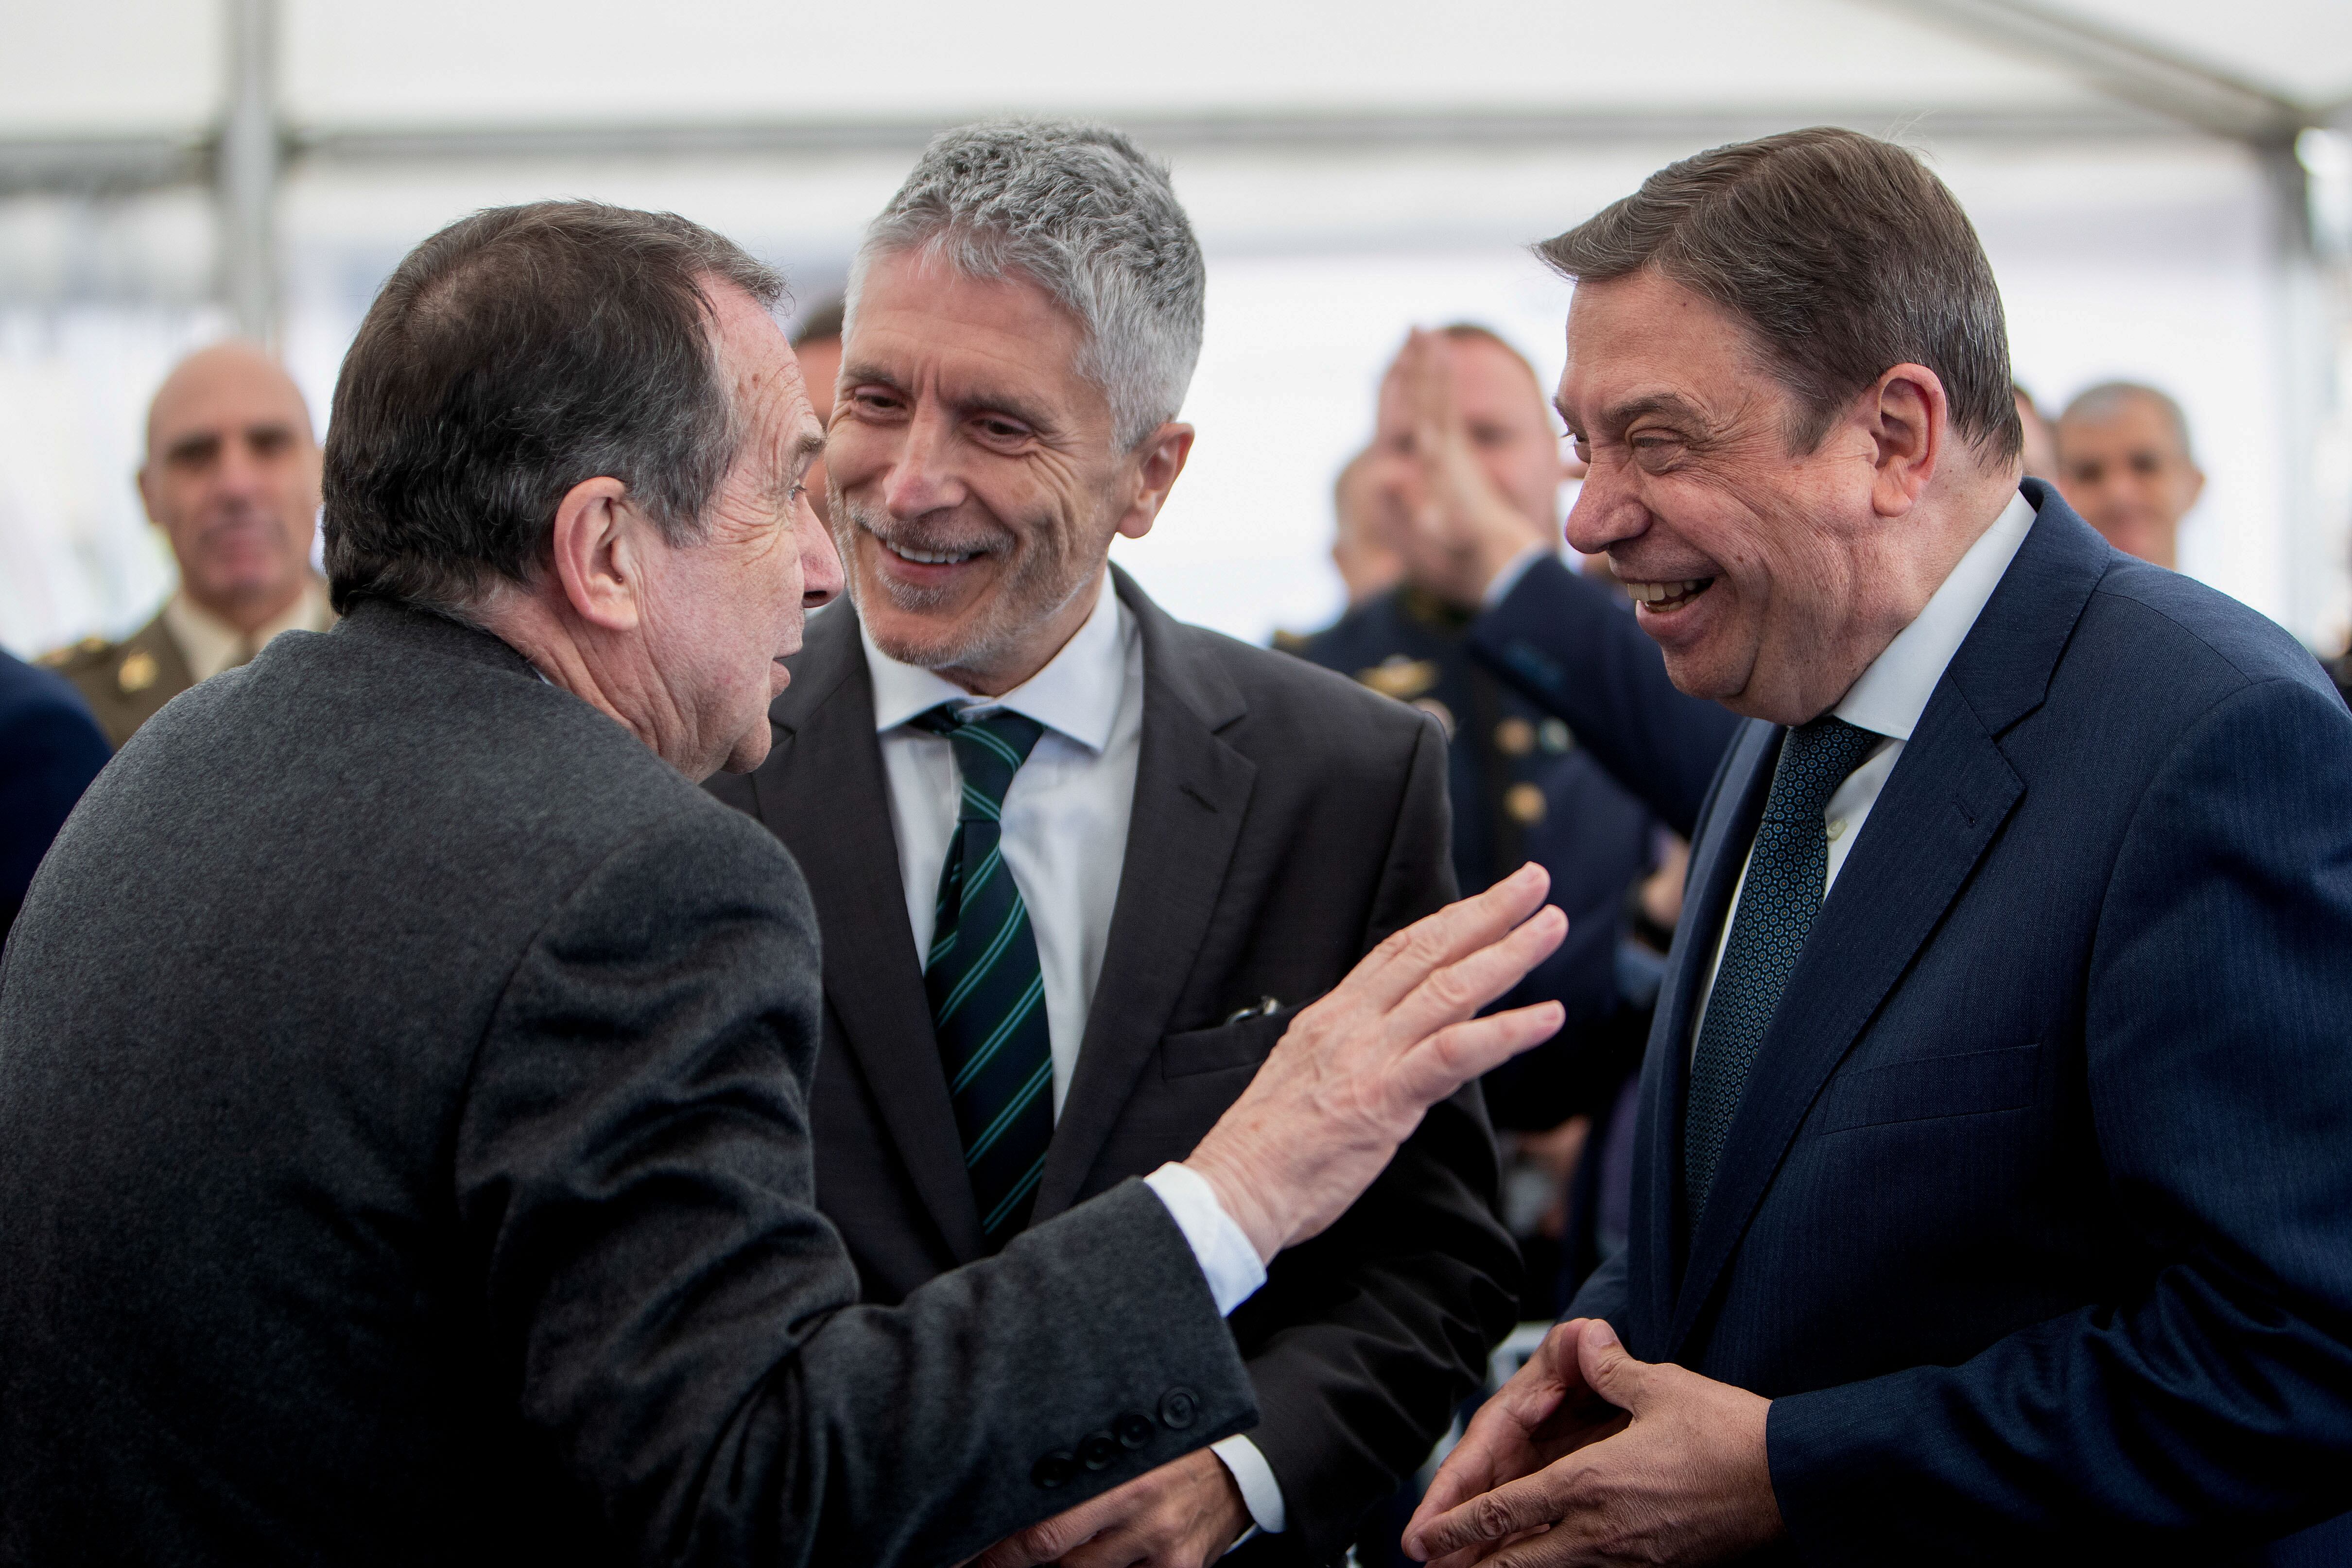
(125, 683)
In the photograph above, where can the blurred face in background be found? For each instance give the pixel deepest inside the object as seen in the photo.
(232, 478)
(820, 361)
(2128, 471)
(1501, 410)
(976, 481)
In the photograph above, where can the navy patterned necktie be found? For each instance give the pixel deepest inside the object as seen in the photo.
(1786, 873)
(987, 993)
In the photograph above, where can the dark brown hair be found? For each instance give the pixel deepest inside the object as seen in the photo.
(515, 354)
(1845, 255)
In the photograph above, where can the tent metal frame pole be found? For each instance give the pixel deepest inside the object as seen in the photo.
(248, 170)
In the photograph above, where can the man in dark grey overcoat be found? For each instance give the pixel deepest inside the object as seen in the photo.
(452, 1202)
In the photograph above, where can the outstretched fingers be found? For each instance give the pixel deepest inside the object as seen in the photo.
(1462, 986)
(1390, 972)
(1441, 1064)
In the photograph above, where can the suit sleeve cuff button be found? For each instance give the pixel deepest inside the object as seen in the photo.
(1179, 1408)
(1133, 1430)
(1055, 1469)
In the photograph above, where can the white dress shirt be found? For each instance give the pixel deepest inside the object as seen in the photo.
(1065, 841)
(1888, 699)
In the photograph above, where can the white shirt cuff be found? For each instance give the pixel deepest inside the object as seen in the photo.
(1261, 1493)
(1227, 1260)
(1508, 577)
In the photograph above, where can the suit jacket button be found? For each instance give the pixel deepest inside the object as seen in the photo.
(1179, 1408)
(1097, 1449)
(1054, 1469)
(1133, 1430)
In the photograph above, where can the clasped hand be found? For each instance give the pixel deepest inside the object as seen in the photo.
(1590, 1457)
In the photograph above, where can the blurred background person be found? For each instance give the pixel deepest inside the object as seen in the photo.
(231, 477)
(50, 749)
(1462, 421)
(2124, 464)
(2041, 441)
(816, 343)
(1361, 549)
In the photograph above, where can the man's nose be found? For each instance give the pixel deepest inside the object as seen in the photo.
(923, 477)
(239, 473)
(820, 562)
(1608, 511)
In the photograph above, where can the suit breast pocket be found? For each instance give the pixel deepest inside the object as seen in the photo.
(1932, 1088)
(1244, 1042)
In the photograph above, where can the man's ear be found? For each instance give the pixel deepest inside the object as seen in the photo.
(596, 545)
(1160, 459)
(1908, 419)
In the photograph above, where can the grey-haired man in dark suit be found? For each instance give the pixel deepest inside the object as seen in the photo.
(453, 1203)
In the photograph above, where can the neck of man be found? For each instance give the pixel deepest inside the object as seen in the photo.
(1922, 549)
(609, 672)
(249, 612)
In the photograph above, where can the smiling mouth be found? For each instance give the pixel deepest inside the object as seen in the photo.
(930, 557)
(1662, 598)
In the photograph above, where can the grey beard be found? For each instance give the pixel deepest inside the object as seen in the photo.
(976, 644)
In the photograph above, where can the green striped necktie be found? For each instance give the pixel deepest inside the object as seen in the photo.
(987, 993)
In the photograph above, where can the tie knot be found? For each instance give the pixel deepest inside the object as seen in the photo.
(988, 750)
(1814, 760)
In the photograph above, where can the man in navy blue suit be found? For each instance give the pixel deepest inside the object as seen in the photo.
(1993, 1193)
(50, 749)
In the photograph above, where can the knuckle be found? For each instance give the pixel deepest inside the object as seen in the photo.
(1490, 1518)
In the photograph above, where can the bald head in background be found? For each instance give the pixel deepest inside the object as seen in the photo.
(2123, 463)
(232, 477)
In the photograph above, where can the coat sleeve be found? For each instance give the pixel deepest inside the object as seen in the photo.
(2215, 1402)
(50, 749)
(1576, 653)
(632, 1174)
(1366, 1338)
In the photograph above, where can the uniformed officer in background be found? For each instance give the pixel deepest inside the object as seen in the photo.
(1461, 407)
(231, 476)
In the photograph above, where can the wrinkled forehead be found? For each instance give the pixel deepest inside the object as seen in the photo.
(757, 367)
(1641, 340)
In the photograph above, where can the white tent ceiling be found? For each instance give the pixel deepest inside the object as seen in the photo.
(1351, 168)
(99, 66)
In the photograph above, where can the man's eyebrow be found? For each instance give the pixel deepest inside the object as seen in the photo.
(999, 402)
(1671, 405)
(195, 444)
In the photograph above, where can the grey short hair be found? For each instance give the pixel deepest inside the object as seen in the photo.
(2098, 404)
(1079, 209)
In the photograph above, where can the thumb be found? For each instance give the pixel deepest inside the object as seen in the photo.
(1608, 1369)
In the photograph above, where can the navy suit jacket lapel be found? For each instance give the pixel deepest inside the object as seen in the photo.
(1735, 803)
(1191, 793)
(1938, 813)
(826, 794)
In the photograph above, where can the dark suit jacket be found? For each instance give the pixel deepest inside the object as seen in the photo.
(1285, 822)
(404, 1158)
(50, 749)
(1574, 650)
(2036, 1219)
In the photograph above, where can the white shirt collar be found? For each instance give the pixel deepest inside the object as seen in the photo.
(1893, 693)
(1077, 694)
